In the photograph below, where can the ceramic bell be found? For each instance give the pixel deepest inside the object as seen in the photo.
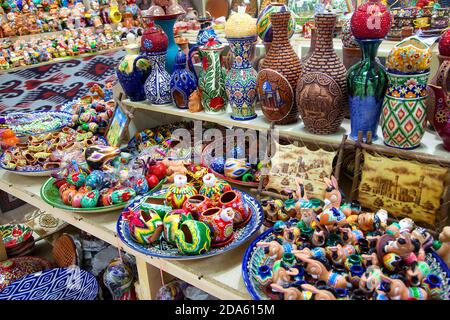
(179, 191)
(157, 204)
(145, 227)
(193, 237)
(213, 188)
(197, 204)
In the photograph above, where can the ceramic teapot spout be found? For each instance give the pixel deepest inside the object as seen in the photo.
(440, 98)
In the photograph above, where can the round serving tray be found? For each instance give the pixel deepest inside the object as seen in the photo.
(255, 257)
(50, 194)
(165, 250)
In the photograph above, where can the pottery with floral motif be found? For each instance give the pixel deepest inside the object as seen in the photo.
(233, 199)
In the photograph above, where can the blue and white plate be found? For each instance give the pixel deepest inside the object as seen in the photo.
(255, 257)
(54, 284)
(165, 250)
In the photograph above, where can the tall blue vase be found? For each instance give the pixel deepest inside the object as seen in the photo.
(167, 23)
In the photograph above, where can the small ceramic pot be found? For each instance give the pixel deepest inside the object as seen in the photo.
(221, 223)
(193, 237)
(172, 222)
(180, 191)
(156, 204)
(233, 199)
(213, 188)
(145, 228)
(197, 204)
(355, 275)
(264, 275)
(433, 285)
(236, 168)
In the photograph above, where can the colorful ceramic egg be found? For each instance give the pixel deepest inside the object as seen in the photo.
(76, 202)
(95, 179)
(68, 195)
(193, 237)
(218, 165)
(76, 178)
(145, 227)
(90, 199)
(97, 155)
(122, 195)
(233, 199)
(236, 168)
(140, 185)
(105, 197)
(179, 191)
(213, 188)
(391, 261)
(64, 187)
(172, 222)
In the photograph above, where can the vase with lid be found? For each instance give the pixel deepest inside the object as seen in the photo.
(322, 88)
(211, 80)
(240, 82)
(154, 44)
(182, 82)
(279, 73)
(367, 80)
(132, 72)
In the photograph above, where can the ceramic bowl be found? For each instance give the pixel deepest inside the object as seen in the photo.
(411, 55)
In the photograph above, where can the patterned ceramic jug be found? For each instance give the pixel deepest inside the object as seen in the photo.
(211, 80)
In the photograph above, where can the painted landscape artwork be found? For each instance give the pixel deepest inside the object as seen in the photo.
(403, 188)
(291, 161)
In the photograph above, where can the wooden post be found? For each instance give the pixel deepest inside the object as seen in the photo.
(3, 255)
(149, 280)
(337, 169)
(357, 166)
(266, 161)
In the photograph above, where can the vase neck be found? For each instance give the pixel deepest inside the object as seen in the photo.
(157, 58)
(369, 49)
(242, 50)
(280, 22)
(325, 25)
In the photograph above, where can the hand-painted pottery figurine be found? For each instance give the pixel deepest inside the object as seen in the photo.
(221, 223)
(98, 155)
(182, 82)
(172, 222)
(233, 199)
(145, 227)
(179, 192)
(236, 168)
(90, 199)
(193, 237)
(76, 178)
(443, 245)
(151, 203)
(118, 278)
(213, 188)
(95, 179)
(397, 290)
(211, 81)
(122, 195)
(197, 204)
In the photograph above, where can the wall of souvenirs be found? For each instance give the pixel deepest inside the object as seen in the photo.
(312, 226)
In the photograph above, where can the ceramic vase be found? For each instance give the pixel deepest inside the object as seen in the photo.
(322, 88)
(167, 23)
(403, 117)
(240, 83)
(118, 278)
(437, 80)
(367, 83)
(206, 31)
(264, 25)
(276, 88)
(132, 72)
(157, 85)
(182, 82)
(211, 80)
(312, 46)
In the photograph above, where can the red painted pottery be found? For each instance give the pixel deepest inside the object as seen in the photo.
(154, 39)
(371, 20)
(233, 199)
(221, 223)
(444, 44)
(197, 204)
(16, 268)
(442, 108)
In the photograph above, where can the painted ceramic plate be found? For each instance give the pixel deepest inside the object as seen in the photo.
(14, 234)
(24, 124)
(31, 171)
(53, 284)
(255, 257)
(50, 194)
(165, 250)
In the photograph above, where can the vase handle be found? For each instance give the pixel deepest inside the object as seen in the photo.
(137, 59)
(191, 65)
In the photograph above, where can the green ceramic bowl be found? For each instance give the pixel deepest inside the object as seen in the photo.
(50, 194)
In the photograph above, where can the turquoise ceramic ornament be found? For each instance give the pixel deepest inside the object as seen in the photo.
(95, 179)
(76, 178)
(90, 199)
(122, 195)
(140, 185)
(193, 237)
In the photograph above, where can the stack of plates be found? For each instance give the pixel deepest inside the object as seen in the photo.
(18, 239)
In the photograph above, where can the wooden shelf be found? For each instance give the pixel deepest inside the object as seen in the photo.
(219, 276)
(431, 143)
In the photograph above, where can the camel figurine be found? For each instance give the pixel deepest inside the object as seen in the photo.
(317, 270)
(291, 293)
(397, 290)
(281, 273)
(274, 249)
(339, 254)
(371, 279)
(332, 216)
(318, 294)
(405, 246)
(302, 213)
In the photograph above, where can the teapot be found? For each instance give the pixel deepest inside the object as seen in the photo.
(442, 107)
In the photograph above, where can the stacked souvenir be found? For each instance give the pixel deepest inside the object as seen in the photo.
(351, 52)
(404, 116)
(332, 251)
(367, 80)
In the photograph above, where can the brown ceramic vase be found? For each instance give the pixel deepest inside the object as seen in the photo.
(282, 58)
(322, 89)
(312, 45)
